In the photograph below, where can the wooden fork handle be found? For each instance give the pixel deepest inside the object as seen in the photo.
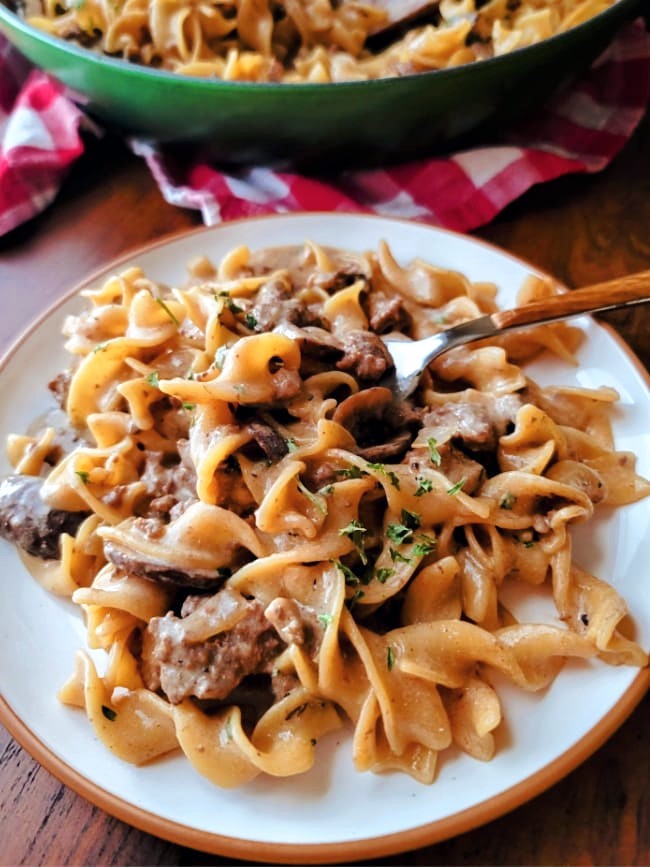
(632, 289)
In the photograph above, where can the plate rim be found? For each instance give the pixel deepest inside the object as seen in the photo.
(367, 847)
(332, 853)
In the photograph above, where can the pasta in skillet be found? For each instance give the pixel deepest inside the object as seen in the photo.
(268, 547)
(305, 40)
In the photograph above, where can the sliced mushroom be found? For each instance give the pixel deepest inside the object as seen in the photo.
(268, 439)
(370, 417)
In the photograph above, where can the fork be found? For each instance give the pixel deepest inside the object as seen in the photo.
(411, 357)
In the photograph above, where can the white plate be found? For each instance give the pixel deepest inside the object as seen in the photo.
(332, 812)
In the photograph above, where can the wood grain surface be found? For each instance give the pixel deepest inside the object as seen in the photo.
(582, 230)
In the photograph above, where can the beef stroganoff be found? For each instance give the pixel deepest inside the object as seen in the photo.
(266, 547)
(305, 40)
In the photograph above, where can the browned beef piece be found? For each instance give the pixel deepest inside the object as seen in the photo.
(272, 444)
(454, 464)
(29, 522)
(59, 387)
(365, 356)
(386, 313)
(477, 422)
(458, 467)
(208, 669)
(275, 303)
(171, 420)
(318, 476)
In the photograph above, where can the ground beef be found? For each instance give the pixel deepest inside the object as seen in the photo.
(29, 522)
(295, 623)
(209, 669)
(169, 483)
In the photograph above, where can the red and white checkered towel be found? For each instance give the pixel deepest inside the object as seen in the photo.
(580, 130)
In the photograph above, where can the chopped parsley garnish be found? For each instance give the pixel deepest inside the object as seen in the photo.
(228, 302)
(382, 575)
(350, 578)
(328, 489)
(424, 545)
(508, 501)
(325, 619)
(424, 486)
(381, 468)
(109, 713)
(358, 594)
(457, 487)
(168, 312)
(101, 347)
(434, 454)
(390, 658)
(83, 475)
(398, 533)
(313, 498)
(396, 557)
(401, 533)
(355, 531)
(528, 543)
(189, 406)
(251, 321)
(153, 380)
(292, 445)
(411, 519)
(351, 472)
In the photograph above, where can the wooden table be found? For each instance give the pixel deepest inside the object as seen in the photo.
(582, 230)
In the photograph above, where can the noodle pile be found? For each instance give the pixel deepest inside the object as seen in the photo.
(267, 547)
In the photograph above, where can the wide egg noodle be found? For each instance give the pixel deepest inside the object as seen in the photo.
(214, 482)
(315, 41)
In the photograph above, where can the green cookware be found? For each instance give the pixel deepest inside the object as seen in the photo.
(320, 125)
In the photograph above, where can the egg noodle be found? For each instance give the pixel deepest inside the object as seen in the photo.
(304, 40)
(267, 547)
